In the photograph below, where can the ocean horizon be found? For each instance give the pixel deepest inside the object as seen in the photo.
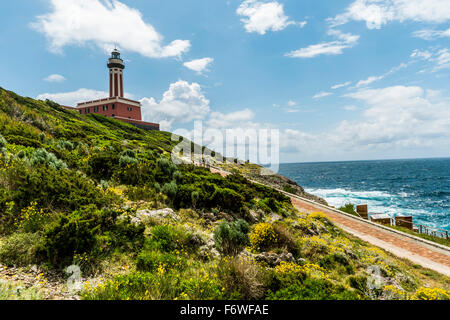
(417, 187)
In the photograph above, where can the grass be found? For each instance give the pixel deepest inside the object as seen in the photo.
(445, 242)
(15, 291)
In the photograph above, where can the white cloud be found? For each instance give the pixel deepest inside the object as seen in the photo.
(372, 79)
(428, 34)
(351, 108)
(199, 65)
(72, 98)
(422, 54)
(55, 78)
(341, 85)
(183, 102)
(104, 24)
(219, 120)
(346, 40)
(322, 95)
(291, 103)
(376, 13)
(369, 80)
(440, 58)
(264, 16)
(396, 118)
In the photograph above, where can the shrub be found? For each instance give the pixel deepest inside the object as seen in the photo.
(431, 294)
(242, 278)
(125, 161)
(13, 291)
(32, 219)
(168, 238)
(228, 200)
(52, 188)
(349, 208)
(102, 165)
(263, 237)
(313, 289)
(20, 249)
(62, 144)
(289, 189)
(177, 176)
(68, 236)
(150, 261)
(164, 170)
(231, 238)
(170, 189)
(286, 239)
(201, 287)
(42, 156)
(3, 142)
(135, 286)
(337, 261)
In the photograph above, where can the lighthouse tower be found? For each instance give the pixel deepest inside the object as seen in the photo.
(116, 106)
(116, 67)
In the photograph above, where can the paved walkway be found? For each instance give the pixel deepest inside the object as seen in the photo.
(427, 255)
(419, 252)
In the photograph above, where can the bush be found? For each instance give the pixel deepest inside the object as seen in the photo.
(337, 261)
(42, 156)
(32, 219)
(125, 161)
(164, 170)
(135, 286)
(51, 188)
(263, 237)
(431, 294)
(62, 144)
(313, 289)
(149, 261)
(168, 238)
(286, 239)
(170, 189)
(68, 236)
(289, 189)
(231, 238)
(3, 142)
(228, 200)
(20, 249)
(241, 278)
(349, 208)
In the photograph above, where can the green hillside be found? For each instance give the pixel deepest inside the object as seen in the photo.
(96, 193)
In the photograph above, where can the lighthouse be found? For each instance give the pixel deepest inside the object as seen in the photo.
(116, 67)
(117, 106)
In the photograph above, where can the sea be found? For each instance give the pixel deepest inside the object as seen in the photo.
(416, 187)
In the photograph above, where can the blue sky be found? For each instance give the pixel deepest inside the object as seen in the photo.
(341, 80)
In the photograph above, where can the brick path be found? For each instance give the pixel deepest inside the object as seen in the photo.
(405, 247)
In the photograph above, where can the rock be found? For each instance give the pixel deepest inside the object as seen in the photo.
(196, 240)
(143, 215)
(255, 216)
(274, 259)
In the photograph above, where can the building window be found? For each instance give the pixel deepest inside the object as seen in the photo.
(113, 115)
(105, 108)
(95, 109)
(87, 110)
(113, 106)
(130, 109)
(81, 111)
